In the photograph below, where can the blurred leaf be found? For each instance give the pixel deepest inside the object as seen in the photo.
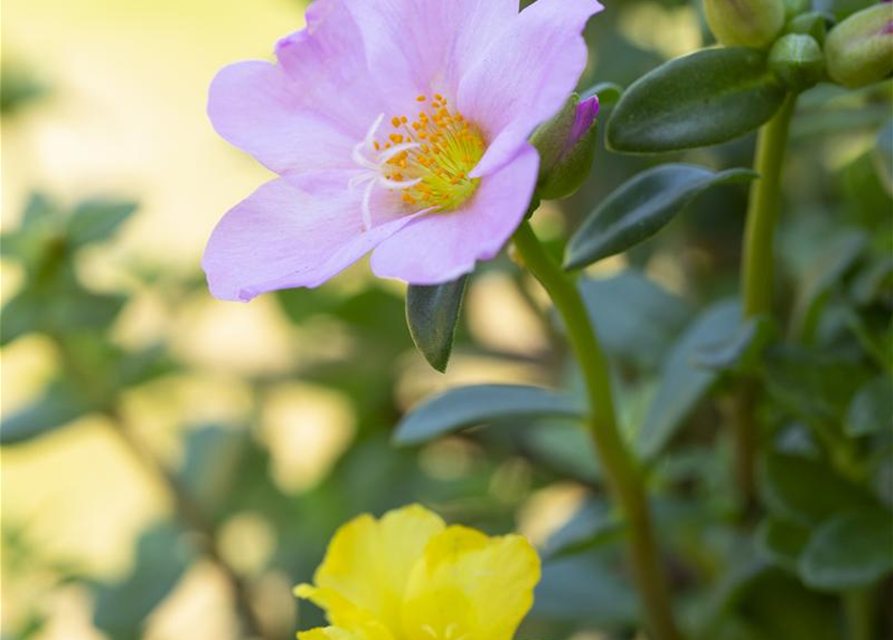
(813, 384)
(822, 276)
(58, 406)
(640, 208)
(20, 87)
(213, 457)
(773, 605)
(702, 99)
(584, 589)
(743, 350)
(782, 541)
(636, 318)
(97, 220)
(162, 556)
(883, 155)
(849, 551)
(432, 314)
(806, 491)
(142, 366)
(567, 448)
(465, 407)
(595, 523)
(871, 410)
(682, 382)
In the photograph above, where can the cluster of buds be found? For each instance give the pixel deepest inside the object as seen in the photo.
(856, 52)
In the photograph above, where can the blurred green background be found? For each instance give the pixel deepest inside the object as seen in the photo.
(275, 416)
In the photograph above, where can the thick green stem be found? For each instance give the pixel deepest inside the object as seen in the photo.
(858, 606)
(620, 469)
(757, 272)
(762, 212)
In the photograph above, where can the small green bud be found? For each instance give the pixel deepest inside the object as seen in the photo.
(796, 7)
(745, 23)
(859, 50)
(566, 145)
(798, 60)
(813, 24)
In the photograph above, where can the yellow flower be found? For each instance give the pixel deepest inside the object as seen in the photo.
(410, 577)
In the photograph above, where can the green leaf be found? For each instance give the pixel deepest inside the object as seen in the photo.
(58, 406)
(782, 541)
(823, 274)
(883, 156)
(815, 384)
(211, 465)
(849, 551)
(607, 92)
(682, 382)
(871, 411)
(97, 220)
(637, 319)
(592, 525)
(162, 557)
(708, 97)
(584, 588)
(806, 491)
(743, 350)
(470, 406)
(640, 208)
(773, 605)
(432, 314)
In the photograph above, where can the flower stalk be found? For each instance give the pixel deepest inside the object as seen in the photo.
(623, 476)
(757, 272)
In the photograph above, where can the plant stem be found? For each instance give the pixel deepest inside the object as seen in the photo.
(757, 272)
(192, 517)
(762, 212)
(858, 607)
(621, 471)
(187, 510)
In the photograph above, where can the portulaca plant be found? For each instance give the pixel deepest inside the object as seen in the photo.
(427, 132)
(728, 441)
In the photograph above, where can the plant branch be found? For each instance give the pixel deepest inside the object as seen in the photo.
(757, 273)
(621, 470)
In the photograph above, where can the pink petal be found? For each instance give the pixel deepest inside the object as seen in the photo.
(259, 109)
(419, 47)
(526, 75)
(295, 231)
(440, 247)
(327, 62)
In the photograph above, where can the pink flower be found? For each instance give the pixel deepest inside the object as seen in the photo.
(398, 126)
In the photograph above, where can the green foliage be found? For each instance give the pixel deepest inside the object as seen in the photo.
(683, 382)
(702, 99)
(851, 550)
(162, 557)
(465, 407)
(641, 208)
(432, 314)
(813, 377)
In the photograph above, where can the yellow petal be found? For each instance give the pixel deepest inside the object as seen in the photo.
(367, 566)
(471, 587)
(337, 633)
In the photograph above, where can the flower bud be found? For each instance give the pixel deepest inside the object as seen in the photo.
(745, 23)
(798, 60)
(795, 7)
(813, 24)
(859, 50)
(566, 145)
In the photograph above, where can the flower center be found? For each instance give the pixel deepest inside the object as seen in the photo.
(435, 152)
(428, 159)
